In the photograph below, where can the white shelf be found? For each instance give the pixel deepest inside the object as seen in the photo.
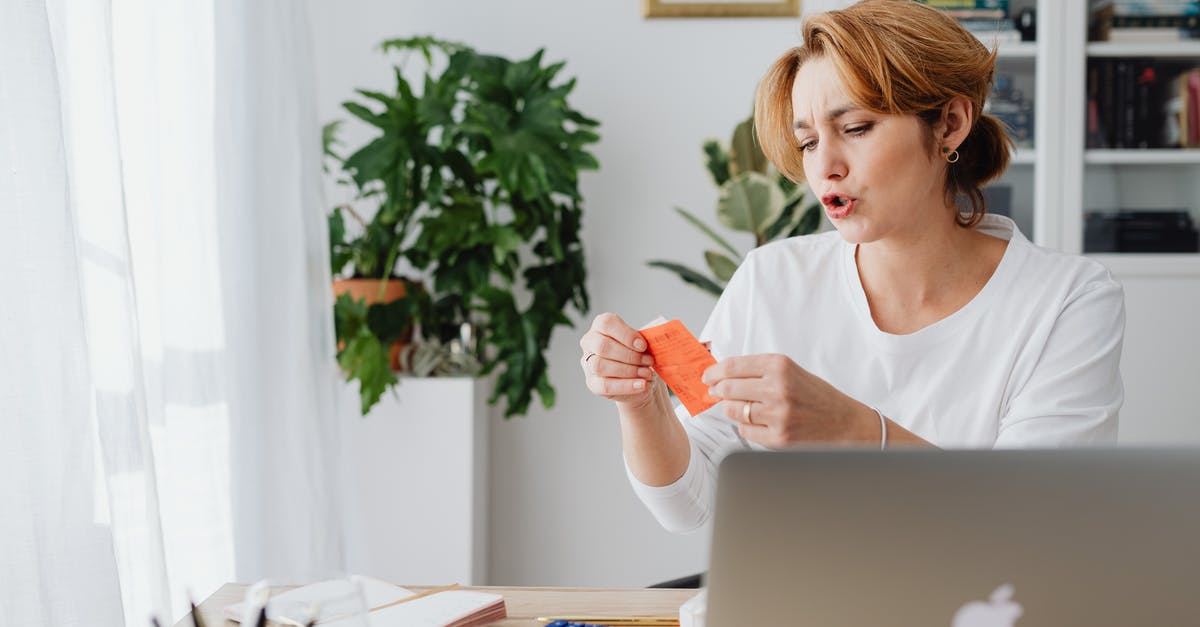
(1167, 49)
(1022, 50)
(1164, 156)
(1150, 264)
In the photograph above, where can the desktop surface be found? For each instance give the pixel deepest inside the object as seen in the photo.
(524, 604)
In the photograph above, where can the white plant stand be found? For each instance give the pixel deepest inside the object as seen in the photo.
(414, 475)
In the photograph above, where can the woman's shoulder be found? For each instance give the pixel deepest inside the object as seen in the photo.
(1072, 271)
(814, 247)
(1038, 265)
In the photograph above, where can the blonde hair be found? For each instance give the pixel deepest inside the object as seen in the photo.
(894, 57)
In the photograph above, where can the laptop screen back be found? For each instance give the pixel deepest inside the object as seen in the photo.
(956, 538)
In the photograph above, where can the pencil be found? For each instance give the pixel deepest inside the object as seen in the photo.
(622, 621)
(415, 597)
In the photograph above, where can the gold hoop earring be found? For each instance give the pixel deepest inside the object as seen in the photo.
(952, 157)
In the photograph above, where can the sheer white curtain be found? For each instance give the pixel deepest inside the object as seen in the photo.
(166, 366)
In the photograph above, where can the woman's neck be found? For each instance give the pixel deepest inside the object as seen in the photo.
(917, 279)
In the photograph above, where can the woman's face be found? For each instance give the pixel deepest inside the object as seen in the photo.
(873, 173)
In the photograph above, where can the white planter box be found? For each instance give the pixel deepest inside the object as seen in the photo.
(415, 482)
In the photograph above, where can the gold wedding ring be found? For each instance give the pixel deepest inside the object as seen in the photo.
(746, 413)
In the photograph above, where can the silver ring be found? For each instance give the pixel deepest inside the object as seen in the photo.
(746, 413)
(589, 356)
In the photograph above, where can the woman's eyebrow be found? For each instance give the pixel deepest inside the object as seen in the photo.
(833, 115)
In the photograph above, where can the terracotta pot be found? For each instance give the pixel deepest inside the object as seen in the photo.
(368, 289)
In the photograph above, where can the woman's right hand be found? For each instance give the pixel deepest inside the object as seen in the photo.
(615, 362)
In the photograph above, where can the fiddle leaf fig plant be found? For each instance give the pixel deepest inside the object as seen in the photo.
(473, 175)
(752, 198)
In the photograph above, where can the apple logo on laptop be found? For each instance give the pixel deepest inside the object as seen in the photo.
(999, 611)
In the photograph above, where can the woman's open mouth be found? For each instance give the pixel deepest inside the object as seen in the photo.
(837, 206)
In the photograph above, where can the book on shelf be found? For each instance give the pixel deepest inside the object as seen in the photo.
(1156, 21)
(1157, 34)
(1143, 20)
(1013, 108)
(976, 14)
(1140, 231)
(962, 5)
(997, 37)
(966, 10)
(1155, 7)
(1142, 103)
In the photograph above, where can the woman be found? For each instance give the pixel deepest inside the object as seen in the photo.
(914, 323)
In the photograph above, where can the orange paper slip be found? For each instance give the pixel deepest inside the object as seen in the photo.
(680, 359)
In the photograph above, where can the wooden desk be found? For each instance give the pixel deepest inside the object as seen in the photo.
(524, 604)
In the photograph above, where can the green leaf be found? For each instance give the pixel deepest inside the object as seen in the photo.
(365, 359)
(365, 114)
(744, 153)
(809, 222)
(390, 321)
(339, 251)
(373, 161)
(696, 222)
(329, 140)
(750, 202)
(546, 391)
(717, 161)
(786, 221)
(689, 276)
(722, 267)
(387, 101)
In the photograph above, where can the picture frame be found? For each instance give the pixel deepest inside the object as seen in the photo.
(724, 8)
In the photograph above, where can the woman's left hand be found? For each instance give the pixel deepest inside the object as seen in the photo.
(777, 403)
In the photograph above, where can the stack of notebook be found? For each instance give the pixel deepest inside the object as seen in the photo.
(387, 605)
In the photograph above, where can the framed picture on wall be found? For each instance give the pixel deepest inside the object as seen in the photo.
(724, 8)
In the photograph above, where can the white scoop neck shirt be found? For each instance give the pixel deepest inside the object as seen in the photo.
(1031, 361)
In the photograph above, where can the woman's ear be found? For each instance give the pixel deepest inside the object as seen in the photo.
(957, 119)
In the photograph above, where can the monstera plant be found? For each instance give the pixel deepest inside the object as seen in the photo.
(472, 175)
(753, 198)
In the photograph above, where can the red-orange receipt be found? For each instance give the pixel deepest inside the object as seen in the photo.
(680, 359)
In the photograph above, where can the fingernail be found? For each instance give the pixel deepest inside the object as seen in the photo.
(643, 372)
(648, 360)
(639, 344)
(712, 392)
(639, 384)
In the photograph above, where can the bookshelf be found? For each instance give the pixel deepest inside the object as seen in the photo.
(1152, 266)
(1158, 156)
(1161, 50)
(1023, 50)
(1074, 180)
(1023, 156)
(1058, 181)
(1161, 355)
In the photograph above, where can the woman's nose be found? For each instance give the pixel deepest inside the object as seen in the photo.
(830, 162)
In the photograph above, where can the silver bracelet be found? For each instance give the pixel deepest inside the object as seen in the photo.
(882, 429)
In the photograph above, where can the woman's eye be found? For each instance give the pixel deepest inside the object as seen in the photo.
(808, 146)
(859, 130)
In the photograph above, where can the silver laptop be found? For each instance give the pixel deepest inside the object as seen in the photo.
(957, 538)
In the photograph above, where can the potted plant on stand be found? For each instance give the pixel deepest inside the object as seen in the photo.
(753, 198)
(472, 176)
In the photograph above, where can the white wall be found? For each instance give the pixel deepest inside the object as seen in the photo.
(562, 510)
